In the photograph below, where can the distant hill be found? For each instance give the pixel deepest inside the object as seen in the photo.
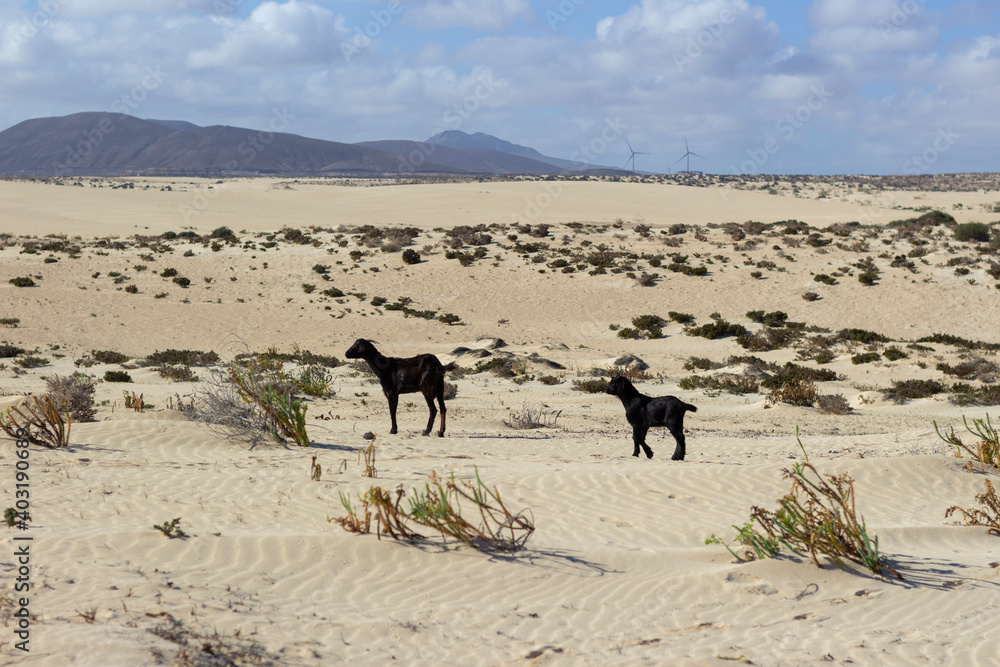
(96, 143)
(459, 139)
(472, 160)
(110, 144)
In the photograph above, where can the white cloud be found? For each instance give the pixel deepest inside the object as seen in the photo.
(492, 15)
(276, 34)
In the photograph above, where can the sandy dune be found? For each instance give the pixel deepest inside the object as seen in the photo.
(617, 571)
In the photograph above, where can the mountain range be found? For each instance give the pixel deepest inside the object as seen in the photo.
(112, 144)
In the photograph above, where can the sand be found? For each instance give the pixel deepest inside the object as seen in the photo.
(618, 571)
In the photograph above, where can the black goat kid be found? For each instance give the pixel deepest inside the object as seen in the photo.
(642, 411)
(423, 373)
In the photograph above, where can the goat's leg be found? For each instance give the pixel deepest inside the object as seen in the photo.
(639, 440)
(393, 399)
(680, 449)
(430, 406)
(444, 411)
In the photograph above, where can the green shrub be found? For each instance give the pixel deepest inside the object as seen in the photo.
(24, 281)
(903, 390)
(860, 336)
(865, 358)
(825, 279)
(7, 351)
(717, 329)
(182, 281)
(182, 357)
(117, 376)
(680, 318)
(410, 256)
(593, 386)
(973, 231)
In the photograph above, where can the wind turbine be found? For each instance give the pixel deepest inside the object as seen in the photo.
(631, 157)
(688, 154)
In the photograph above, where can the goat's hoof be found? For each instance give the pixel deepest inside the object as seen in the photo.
(677, 458)
(425, 433)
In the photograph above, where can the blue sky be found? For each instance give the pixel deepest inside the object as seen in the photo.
(828, 86)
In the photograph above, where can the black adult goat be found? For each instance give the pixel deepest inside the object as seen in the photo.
(643, 411)
(423, 373)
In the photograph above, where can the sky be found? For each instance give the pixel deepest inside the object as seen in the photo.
(821, 87)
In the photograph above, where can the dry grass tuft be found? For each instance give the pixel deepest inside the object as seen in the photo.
(529, 418)
(37, 420)
(438, 506)
(989, 516)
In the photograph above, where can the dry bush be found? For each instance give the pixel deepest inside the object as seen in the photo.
(438, 506)
(632, 372)
(37, 419)
(74, 394)
(794, 392)
(530, 418)
(833, 404)
(989, 516)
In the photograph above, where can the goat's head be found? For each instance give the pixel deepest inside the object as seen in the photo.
(360, 349)
(618, 386)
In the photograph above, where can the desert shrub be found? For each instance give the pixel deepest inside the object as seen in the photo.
(988, 516)
(825, 279)
(964, 394)
(314, 380)
(410, 256)
(701, 364)
(980, 368)
(792, 372)
(591, 386)
(976, 232)
(986, 451)
(773, 319)
(23, 281)
(117, 376)
(768, 339)
(31, 361)
(733, 384)
(39, 420)
(182, 281)
(332, 292)
(450, 390)
(717, 329)
(449, 318)
(865, 358)
(8, 351)
(894, 353)
(182, 357)
(817, 516)
(628, 333)
(308, 289)
(531, 418)
(177, 373)
(550, 379)
(168, 273)
(680, 318)
(438, 506)
(904, 390)
(221, 233)
(250, 401)
(833, 404)
(795, 392)
(74, 394)
(860, 336)
(10, 322)
(868, 277)
(502, 366)
(958, 341)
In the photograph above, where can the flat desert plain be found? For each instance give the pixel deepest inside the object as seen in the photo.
(537, 290)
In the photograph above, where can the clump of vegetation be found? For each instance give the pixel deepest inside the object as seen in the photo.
(177, 373)
(773, 319)
(182, 357)
(438, 506)
(117, 376)
(8, 351)
(411, 256)
(792, 372)
(74, 394)
(733, 384)
(986, 451)
(904, 390)
(833, 404)
(171, 528)
(825, 279)
(819, 517)
(591, 386)
(717, 329)
(975, 232)
(23, 281)
(680, 318)
(531, 418)
(865, 358)
(794, 392)
(988, 516)
(39, 420)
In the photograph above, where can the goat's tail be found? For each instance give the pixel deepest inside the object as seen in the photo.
(449, 367)
(689, 407)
